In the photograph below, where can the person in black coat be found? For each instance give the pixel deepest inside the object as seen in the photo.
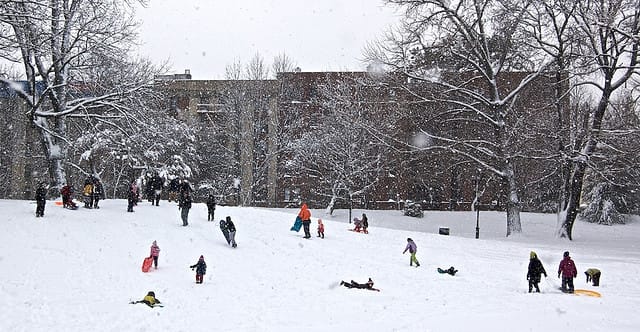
(534, 272)
(98, 193)
(232, 232)
(41, 199)
(211, 207)
(184, 206)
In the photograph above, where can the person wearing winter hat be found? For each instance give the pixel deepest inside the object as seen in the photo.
(155, 252)
(534, 272)
(567, 269)
(201, 269)
(320, 229)
(413, 249)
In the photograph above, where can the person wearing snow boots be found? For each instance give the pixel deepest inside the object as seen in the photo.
(365, 224)
(320, 229)
(211, 207)
(149, 300)
(184, 206)
(567, 269)
(368, 285)
(98, 193)
(593, 274)
(67, 197)
(41, 199)
(413, 249)
(231, 228)
(201, 269)
(534, 272)
(305, 215)
(155, 252)
(87, 193)
(132, 196)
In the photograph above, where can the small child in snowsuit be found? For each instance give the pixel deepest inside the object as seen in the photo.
(353, 284)
(201, 269)
(567, 269)
(149, 300)
(534, 272)
(593, 274)
(320, 229)
(357, 224)
(413, 249)
(155, 252)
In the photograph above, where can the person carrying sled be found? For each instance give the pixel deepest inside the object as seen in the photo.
(231, 228)
(211, 207)
(155, 252)
(534, 271)
(368, 285)
(320, 229)
(41, 199)
(567, 269)
(413, 249)
(149, 300)
(305, 215)
(201, 269)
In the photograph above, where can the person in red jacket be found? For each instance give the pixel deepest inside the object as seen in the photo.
(320, 229)
(568, 271)
(305, 215)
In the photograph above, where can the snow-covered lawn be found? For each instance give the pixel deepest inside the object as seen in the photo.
(77, 271)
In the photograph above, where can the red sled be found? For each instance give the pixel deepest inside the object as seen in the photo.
(146, 264)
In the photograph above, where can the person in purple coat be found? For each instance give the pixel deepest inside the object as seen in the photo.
(568, 271)
(413, 248)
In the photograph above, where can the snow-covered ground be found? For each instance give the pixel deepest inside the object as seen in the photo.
(78, 270)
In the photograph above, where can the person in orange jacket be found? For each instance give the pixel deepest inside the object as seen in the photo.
(305, 215)
(320, 229)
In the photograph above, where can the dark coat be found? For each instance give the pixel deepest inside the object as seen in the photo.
(535, 270)
(41, 194)
(185, 202)
(200, 266)
(230, 226)
(211, 203)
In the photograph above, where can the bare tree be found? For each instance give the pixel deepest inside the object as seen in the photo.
(282, 63)
(56, 41)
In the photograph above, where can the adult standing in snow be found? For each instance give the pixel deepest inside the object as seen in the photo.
(185, 205)
(232, 232)
(567, 269)
(535, 271)
(211, 207)
(365, 224)
(155, 252)
(305, 215)
(87, 192)
(157, 184)
(201, 269)
(132, 195)
(98, 193)
(41, 199)
(413, 249)
(174, 187)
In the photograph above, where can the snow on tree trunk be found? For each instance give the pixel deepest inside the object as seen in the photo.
(513, 203)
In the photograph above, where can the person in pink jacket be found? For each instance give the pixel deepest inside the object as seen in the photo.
(568, 271)
(155, 252)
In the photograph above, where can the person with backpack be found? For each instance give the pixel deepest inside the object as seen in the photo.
(41, 199)
(413, 249)
(155, 253)
(567, 269)
(211, 207)
(201, 269)
(534, 272)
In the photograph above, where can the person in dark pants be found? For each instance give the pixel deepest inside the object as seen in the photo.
(568, 271)
(41, 199)
(157, 184)
(232, 232)
(305, 215)
(534, 272)
(132, 196)
(353, 284)
(211, 207)
(98, 193)
(184, 206)
(593, 274)
(155, 253)
(201, 269)
(149, 300)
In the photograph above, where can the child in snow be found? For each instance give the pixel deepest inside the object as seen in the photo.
(320, 229)
(413, 248)
(365, 224)
(567, 269)
(155, 252)
(353, 284)
(534, 272)
(201, 269)
(149, 300)
(593, 274)
(67, 200)
(357, 223)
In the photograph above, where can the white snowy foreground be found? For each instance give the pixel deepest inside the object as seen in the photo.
(78, 270)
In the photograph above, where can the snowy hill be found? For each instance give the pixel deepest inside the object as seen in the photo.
(77, 271)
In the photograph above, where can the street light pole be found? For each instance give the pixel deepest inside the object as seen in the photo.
(478, 205)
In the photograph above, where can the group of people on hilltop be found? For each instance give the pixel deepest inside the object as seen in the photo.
(566, 270)
(153, 188)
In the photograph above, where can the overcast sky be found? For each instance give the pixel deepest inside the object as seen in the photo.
(205, 36)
